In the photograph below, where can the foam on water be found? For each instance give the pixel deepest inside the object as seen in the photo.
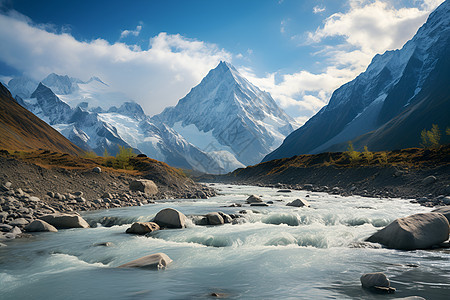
(274, 252)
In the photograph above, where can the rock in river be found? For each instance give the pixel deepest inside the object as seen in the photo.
(142, 227)
(419, 231)
(153, 261)
(170, 218)
(215, 218)
(377, 281)
(298, 203)
(445, 210)
(254, 199)
(62, 221)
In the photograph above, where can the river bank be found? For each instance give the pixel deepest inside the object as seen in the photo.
(28, 191)
(420, 175)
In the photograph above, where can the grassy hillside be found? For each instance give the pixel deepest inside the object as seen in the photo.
(22, 130)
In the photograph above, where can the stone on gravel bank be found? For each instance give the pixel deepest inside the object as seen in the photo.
(170, 218)
(144, 186)
(63, 221)
(419, 231)
(153, 261)
(142, 227)
(298, 203)
(40, 226)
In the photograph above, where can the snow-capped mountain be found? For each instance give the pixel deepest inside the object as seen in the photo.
(95, 117)
(401, 93)
(228, 117)
(92, 127)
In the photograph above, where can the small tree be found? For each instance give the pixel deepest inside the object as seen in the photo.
(351, 153)
(431, 138)
(106, 153)
(367, 154)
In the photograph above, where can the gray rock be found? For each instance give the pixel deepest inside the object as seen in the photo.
(145, 186)
(142, 228)
(97, 170)
(78, 194)
(62, 221)
(5, 227)
(34, 199)
(443, 210)
(19, 222)
(8, 184)
(446, 200)
(2, 245)
(40, 226)
(170, 218)
(284, 191)
(429, 180)
(214, 218)
(254, 199)
(105, 244)
(153, 261)
(107, 195)
(377, 282)
(226, 218)
(259, 204)
(419, 231)
(51, 194)
(370, 280)
(298, 203)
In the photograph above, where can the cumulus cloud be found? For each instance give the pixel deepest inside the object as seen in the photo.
(154, 77)
(135, 32)
(367, 28)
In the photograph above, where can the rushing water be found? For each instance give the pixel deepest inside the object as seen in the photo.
(278, 252)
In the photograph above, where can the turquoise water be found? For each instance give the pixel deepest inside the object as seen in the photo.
(277, 252)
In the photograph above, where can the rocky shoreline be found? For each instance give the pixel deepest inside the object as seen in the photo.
(28, 192)
(427, 186)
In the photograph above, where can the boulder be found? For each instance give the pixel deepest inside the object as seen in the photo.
(214, 219)
(254, 199)
(18, 222)
(419, 231)
(62, 221)
(377, 281)
(97, 170)
(226, 218)
(298, 203)
(145, 186)
(153, 261)
(259, 204)
(429, 180)
(142, 227)
(170, 218)
(445, 210)
(284, 191)
(40, 226)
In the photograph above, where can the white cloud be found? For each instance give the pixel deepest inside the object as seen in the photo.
(318, 9)
(367, 28)
(135, 32)
(155, 77)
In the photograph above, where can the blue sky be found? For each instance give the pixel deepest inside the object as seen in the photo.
(155, 51)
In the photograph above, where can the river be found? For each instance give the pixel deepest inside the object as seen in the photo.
(276, 252)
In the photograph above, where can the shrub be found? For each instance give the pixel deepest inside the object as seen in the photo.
(351, 153)
(367, 155)
(89, 154)
(383, 159)
(122, 159)
(430, 138)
